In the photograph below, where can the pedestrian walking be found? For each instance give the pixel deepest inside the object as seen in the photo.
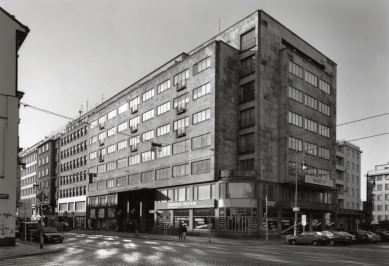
(184, 231)
(179, 230)
(136, 230)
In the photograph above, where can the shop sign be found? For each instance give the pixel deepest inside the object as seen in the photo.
(4, 196)
(271, 203)
(238, 212)
(185, 204)
(304, 220)
(319, 181)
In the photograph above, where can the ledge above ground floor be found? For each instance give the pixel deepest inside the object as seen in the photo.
(310, 205)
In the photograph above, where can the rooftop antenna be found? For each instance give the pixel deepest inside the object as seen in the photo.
(219, 25)
(102, 98)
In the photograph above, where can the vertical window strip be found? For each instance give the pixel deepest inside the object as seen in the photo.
(324, 86)
(295, 94)
(123, 108)
(295, 119)
(295, 69)
(201, 91)
(148, 95)
(180, 147)
(310, 102)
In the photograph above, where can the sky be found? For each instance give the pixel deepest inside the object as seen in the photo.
(80, 52)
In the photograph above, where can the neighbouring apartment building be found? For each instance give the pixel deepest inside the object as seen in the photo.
(348, 185)
(13, 33)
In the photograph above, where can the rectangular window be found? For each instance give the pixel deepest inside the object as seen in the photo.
(122, 163)
(148, 135)
(181, 76)
(111, 183)
(247, 92)
(310, 148)
(310, 78)
(310, 125)
(295, 69)
(247, 40)
(295, 119)
(147, 95)
(102, 136)
(247, 66)
(324, 174)
(147, 177)
(324, 131)
(310, 102)
(202, 65)
(134, 159)
(184, 122)
(123, 108)
(102, 120)
(324, 109)
(324, 86)
(246, 143)
(135, 102)
(111, 114)
(180, 147)
(324, 153)
(92, 124)
(134, 140)
(201, 141)
(247, 118)
(101, 185)
(92, 155)
(101, 169)
(134, 121)
(181, 100)
(122, 126)
(111, 131)
(111, 166)
(164, 152)
(162, 173)
(201, 116)
(148, 115)
(163, 108)
(122, 145)
(163, 86)
(181, 170)
(295, 94)
(133, 179)
(111, 149)
(201, 91)
(121, 181)
(147, 156)
(295, 144)
(163, 130)
(201, 166)
(246, 164)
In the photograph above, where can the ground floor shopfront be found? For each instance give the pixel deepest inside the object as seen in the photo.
(75, 220)
(350, 219)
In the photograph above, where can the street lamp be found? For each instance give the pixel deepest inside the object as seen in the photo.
(299, 158)
(40, 214)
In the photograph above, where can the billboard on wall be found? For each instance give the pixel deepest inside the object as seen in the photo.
(319, 181)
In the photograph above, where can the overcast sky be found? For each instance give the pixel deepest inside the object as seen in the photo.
(81, 49)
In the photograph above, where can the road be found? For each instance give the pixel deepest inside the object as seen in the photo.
(79, 249)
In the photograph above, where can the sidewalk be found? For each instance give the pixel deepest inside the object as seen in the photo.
(189, 239)
(23, 249)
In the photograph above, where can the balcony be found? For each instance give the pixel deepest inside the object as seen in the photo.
(181, 85)
(101, 125)
(134, 147)
(247, 122)
(134, 128)
(134, 109)
(101, 158)
(248, 70)
(180, 132)
(181, 109)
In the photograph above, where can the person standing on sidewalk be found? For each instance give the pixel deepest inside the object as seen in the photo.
(184, 231)
(136, 230)
(179, 230)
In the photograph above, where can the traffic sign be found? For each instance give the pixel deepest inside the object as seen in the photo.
(303, 220)
(296, 209)
(357, 221)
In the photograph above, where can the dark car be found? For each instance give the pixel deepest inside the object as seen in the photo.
(383, 234)
(50, 234)
(347, 239)
(28, 227)
(338, 238)
(361, 236)
(309, 237)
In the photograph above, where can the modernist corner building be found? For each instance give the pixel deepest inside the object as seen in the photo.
(205, 138)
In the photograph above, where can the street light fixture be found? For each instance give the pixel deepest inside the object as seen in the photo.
(299, 158)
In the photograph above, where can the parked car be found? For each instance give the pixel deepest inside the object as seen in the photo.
(338, 238)
(381, 230)
(29, 228)
(360, 236)
(373, 238)
(333, 239)
(50, 234)
(309, 237)
(350, 239)
(383, 234)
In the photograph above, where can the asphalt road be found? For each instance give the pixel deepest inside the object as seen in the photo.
(100, 250)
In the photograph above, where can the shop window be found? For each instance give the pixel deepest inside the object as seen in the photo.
(238, 219)
(181, 216)
(202, 218)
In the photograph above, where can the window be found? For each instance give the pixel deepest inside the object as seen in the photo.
(148, 135)
(310, 148)
(147, 95)
(92, 155)
(147, 177)
(122, 145)
(247, 118)
(181, 76)
(295, 144)
(201, 166)
(163, 130)
(295, 69)
(134, 159)
(102, 152)
(164, 152)
(324, 174)
(181, 100)
(324, 153)
(310, 102)
(295, 119)
(310, 78)
(134, 102)
(123, 108)
(111, 131)
(163, 108)
(324, 109)
(162, 173)
(247, 92)
(134, 140)
(93, 140)
(295, 94)
(201, 91)
(122, 126)
(101, 185)
(134, 122)
(121, 181)
(246, 143)
(102, 120)
(163, 86)
(247, 40)
(184, 122)
(202, 65)
(122, 163)
(111, 183)
(111, 114)
(180, 147)
(181, 170)
(324, 131)
(101, 169)
(246, 164)
(147, 156)
(201, 141)
(80, 206)
(201, 116)
(111, 149)
(102, 136)
(148, 115)
(310, 125)
(111, 166)
(247, 66)
(324, 86)
(92, 124)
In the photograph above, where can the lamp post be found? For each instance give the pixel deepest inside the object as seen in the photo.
(41, 218)
(295, 195)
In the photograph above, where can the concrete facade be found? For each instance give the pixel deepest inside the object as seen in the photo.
(378, 195)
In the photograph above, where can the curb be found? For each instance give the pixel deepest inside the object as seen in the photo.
(17, 256)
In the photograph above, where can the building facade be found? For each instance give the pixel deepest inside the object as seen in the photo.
(13, 33)
(378, 195)
(348, 185)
